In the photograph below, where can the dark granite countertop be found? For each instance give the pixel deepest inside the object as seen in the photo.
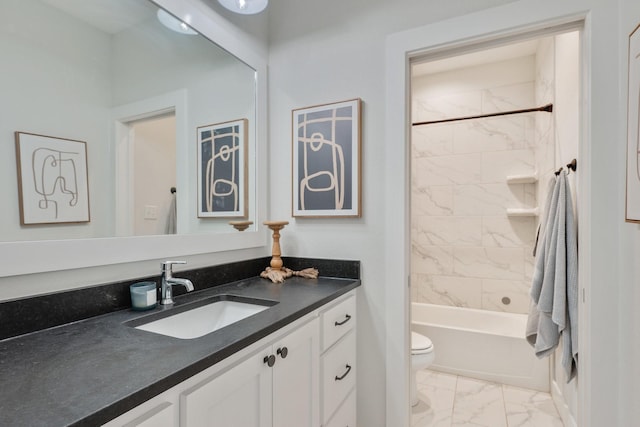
(91, 371)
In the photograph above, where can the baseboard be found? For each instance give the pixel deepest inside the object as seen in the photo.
(561, 406)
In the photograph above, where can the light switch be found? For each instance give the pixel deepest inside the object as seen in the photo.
(150, 212)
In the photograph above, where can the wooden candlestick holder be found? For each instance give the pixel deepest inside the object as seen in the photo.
(275, 271)
(275, 226)
(240, 225)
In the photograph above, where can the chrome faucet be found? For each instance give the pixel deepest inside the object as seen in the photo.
(166, 291)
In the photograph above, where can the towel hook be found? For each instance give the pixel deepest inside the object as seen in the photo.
(572, 166)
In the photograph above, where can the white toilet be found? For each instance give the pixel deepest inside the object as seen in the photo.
(422, 355)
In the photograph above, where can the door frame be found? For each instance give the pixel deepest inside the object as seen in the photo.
(122, 118)
(449, 38)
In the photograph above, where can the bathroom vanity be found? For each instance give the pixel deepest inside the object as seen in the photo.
(292, 364)
(281, 380)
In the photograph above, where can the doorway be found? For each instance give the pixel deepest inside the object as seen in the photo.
(489, 129)
(401, 49)
(149, 143)
(153, 182)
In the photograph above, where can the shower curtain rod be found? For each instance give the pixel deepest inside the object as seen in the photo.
(548, 108)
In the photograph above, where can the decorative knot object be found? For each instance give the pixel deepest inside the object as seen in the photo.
(276, 272)
(278, 276)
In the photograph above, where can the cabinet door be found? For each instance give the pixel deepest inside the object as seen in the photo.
(154, 413)
(162, 416)
(295, 378)
(240, 397)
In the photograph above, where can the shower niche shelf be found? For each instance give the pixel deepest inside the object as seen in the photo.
(527, 178)
(522, 211)
(530, 178)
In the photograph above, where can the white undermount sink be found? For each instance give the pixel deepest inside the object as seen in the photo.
(204, 319)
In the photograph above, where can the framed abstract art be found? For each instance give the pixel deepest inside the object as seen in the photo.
(52, 179)
(222, 170)
(632, 210)
(326, 160)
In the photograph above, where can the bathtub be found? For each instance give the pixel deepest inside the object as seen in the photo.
(482, 344)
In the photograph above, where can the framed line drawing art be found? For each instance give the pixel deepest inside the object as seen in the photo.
(326, 160)
(633, 130)
(52, 179)
(222, 170)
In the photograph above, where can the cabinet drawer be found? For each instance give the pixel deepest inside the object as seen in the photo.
(337, 321)
(338, 374)
(346, 414)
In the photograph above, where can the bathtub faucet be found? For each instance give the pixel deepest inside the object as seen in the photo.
(168, 281)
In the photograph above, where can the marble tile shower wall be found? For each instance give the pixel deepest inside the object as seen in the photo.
(466, 251)
(544, 124)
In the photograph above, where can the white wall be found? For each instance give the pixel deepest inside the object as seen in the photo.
(558, 82)
(566, 57)
(68, 64)
(331, 51)
(629, 260)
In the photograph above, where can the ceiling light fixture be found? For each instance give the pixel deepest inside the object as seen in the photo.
(245, 7)
(173, 23)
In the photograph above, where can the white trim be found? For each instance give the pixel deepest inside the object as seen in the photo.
(514, 20)
(397, 233)
(561, 405)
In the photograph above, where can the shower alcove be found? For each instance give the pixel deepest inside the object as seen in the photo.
(478, 185)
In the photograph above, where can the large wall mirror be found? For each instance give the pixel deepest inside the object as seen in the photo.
(136, 84)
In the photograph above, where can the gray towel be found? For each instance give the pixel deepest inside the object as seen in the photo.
(541, 332)
(570, 337)
(170, 227)
(554, 289)
(539, 252)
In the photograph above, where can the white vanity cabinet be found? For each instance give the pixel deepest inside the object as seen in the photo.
(275, 387)
(295, 378)
(287, 379)
(338, 363)
(157, 412)
(161, 411)
(240, 396)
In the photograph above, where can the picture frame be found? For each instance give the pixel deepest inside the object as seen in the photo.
(327, 160)
(53, 183)
(632, 205)
(222, 170)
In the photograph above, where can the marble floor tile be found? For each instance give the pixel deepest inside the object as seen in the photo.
(436, 392)
(453, 401)
(529, 408)
(478, 403)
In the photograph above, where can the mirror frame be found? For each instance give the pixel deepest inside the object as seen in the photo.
(27, 257)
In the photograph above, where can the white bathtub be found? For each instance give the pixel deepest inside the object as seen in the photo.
(481, 344)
